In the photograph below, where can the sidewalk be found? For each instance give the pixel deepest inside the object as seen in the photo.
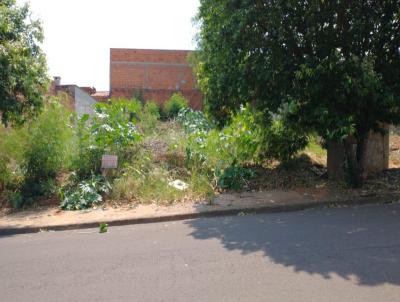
(51, 218)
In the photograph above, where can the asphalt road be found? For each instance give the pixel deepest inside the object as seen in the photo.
(343, 254)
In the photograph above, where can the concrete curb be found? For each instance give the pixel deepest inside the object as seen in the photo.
(383, 199)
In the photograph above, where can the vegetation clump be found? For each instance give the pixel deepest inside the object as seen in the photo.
(174, 104)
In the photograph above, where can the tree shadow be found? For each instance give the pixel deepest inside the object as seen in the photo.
(361, 243)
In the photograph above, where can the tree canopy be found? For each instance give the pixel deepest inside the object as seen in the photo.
(23, 79)
(334, 66)
(328, 66)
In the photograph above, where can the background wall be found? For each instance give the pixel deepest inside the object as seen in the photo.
(157, 74)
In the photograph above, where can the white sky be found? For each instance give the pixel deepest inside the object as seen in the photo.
(79, 33)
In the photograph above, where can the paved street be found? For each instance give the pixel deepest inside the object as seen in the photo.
(343, 254)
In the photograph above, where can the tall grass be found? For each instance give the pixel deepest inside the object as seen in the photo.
(35, 153)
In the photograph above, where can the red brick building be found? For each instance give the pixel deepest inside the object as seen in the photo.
(155, 74)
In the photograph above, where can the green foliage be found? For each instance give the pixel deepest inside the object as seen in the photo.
(316, 145)
(242, 138)
(47, 150)
(234, 178)
(220, 154)
(88, 157)
(84, 194)
(34, 154)
(175, 103)
(111, 130)
(335, 67)
(201, 186)
(158, 160)
(146, 185)
(13, 141)
(239, 142)
(5, 173)
(22, 64)
(12, 149)
(113, 126)
(193, 121)
(145, 181)
(16, 199)
(103, 228)
(193, 60)
(281, 141)
(152, 108)
(149, 117)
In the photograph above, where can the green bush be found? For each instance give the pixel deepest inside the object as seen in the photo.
(242, 138)
(234, 178)
(12, 148)
(281, 141)
(111, 130)
(237, 143)
(193, 121)
(47, 150)
(152, 108)
(5, 173)
(175, 103)
(88, 156)
(221, 153)
(149, 117)
(85, 194)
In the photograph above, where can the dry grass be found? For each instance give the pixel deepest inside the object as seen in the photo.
(162, 160)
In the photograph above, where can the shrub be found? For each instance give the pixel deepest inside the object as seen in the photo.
(85, 194)
(193, 121)
(113, 125)
(5, 173)
(237, 143)
(16, 199)
(47, 150)
(152, 108)
(175, 103)
(111, 130)
(234, 178)
(242, 138)
(281, 141)
(87, 160)
(149, 117)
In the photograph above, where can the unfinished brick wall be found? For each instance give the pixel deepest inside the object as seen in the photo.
(157, 74)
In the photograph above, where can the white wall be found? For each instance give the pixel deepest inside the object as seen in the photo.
(84, 103)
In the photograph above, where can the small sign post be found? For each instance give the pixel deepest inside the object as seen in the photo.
(108, 162)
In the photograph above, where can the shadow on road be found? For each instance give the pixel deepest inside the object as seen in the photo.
(360, 243)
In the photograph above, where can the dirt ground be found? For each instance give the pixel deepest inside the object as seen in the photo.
(308, 172)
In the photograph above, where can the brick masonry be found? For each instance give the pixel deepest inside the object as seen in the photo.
(157, 74)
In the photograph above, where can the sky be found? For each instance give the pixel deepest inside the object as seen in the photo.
(79, 33)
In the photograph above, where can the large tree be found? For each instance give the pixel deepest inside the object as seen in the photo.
(331, 66)
(23, 78)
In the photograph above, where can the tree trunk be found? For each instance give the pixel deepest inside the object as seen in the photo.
(361, 158)
(354, 156)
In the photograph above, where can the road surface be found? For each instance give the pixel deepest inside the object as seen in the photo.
(342, 254)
